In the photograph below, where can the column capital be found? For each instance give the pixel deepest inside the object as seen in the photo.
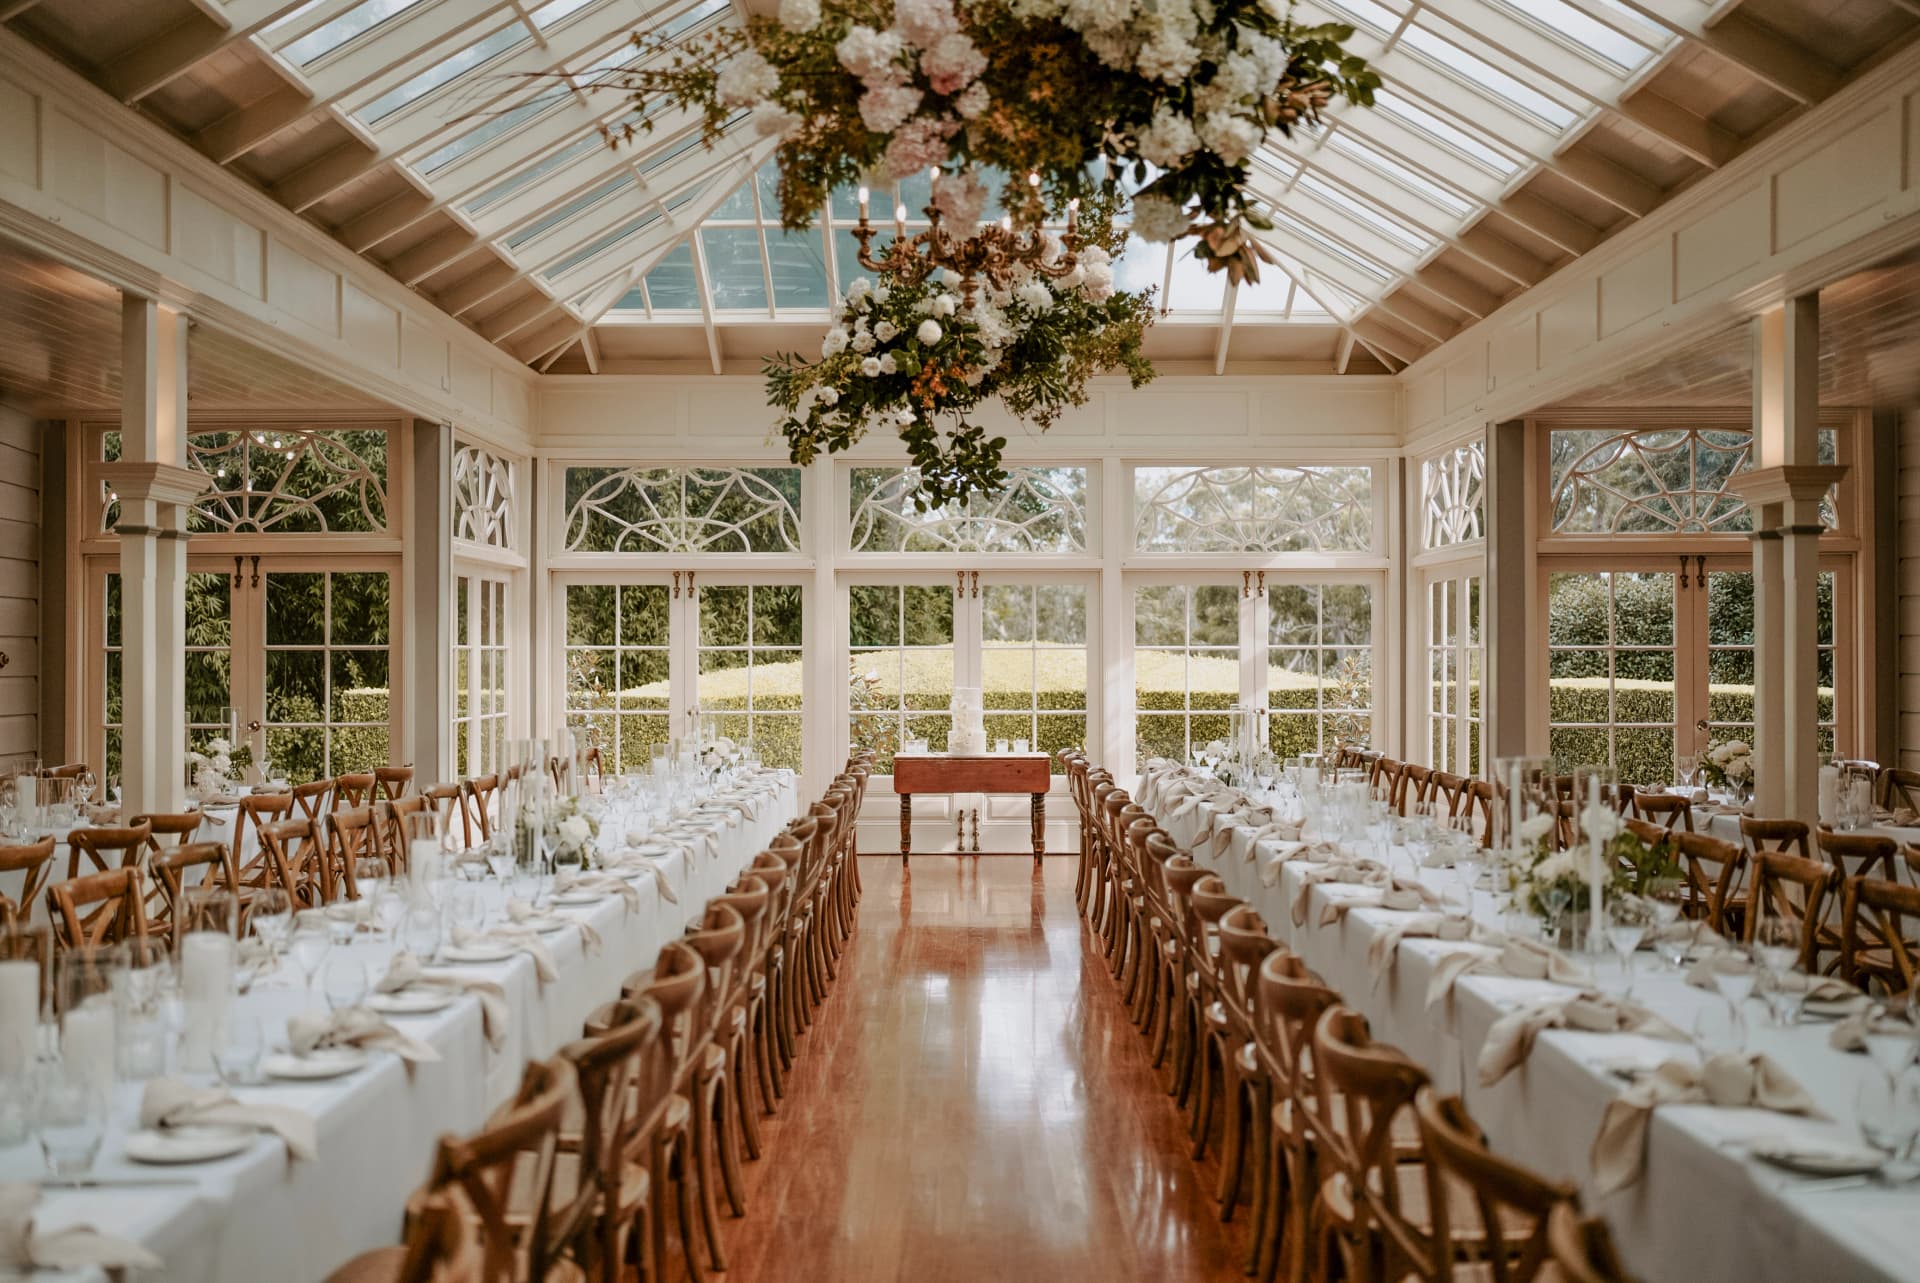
(1786, 483)
(159, 482)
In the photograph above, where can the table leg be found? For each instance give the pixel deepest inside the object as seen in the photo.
(906, 825)
(1039, 826)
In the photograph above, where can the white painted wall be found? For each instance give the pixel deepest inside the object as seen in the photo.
(19, 582)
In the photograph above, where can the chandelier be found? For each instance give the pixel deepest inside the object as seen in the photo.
(996, 252)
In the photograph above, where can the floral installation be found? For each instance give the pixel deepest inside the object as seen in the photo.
(920, 356)
(717, 752)
(1729, 765)
(571, 827)
(1175, 96)
(1548, 882)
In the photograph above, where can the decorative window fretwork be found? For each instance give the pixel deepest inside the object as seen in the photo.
(683, 510)
(1656, 481)
(281, 480)
(483, 498)
(1254, 509)
(1453, 491)
(1039, 510)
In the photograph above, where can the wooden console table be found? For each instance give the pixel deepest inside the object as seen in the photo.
(984, 773)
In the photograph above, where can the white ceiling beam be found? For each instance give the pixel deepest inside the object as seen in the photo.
(198, 36)
(1226, 329)
(1737, 39)
(1343, 352)
(550, 340)
(546, 362)
(1389, 345)
(1699, 138)
(1303, 282)
(706, 301)
(1452, 288)
(1549, 222)
(590, 348)
(516, 316)
(432, 255)
(471, 291)
(1318, 258)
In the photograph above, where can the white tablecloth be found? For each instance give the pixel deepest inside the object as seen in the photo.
(260, 1215)
(1703, 1210)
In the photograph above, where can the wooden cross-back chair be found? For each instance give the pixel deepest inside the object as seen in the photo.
(170, 829)
(352, 791)
(351, 838)
(678, 979)
(1452, 791)
(1874, 945)
(1483, 795)
(1899, 789)
(449, 803)
(1668, 810)
(476, 808)
(391, 783)
(391, 830)
(33, 861)
(1864, 855)
(1787, 836)
(70, 771)
(99, 908)
(173, 875)
(293, 856)
(1583, 1250)
(1482, 1198)
(719, 940)
(1416, 785)
(97, 850)
(310, 799)
(1384, 777)
(1712, 868)
(258, 811)
(602, 1189)
(1793, 888)
(1292, 1000)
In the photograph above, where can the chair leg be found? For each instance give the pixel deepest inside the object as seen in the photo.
(728, 1144)
(1203, 1111)
(765, 1055)
(1233, 1155)
(703, 1147)
(745, 1050)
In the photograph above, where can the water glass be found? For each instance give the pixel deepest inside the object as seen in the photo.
(1887, 1110)
(238, 1047)
(467, 908)
(420, 930)
(1719, 1028)
(208, 908)
(272, 917)
(344, 981)
(1890, 1039)
(144, 990)
(310, 944)
(1628, 919)
(70, 1118)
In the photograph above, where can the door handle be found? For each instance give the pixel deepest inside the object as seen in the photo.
(253, 725)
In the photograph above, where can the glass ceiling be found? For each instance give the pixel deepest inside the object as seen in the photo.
(490, 109)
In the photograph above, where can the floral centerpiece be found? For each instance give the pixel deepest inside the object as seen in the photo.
(1729, 766)
(220, 770)
(1176, 95)
(717, 752)
(921, 356)
(1548, 883)
(569, 827)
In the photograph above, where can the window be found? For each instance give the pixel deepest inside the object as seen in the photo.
(682, 510)
(1452, 488)
(1254, 509)
(1319, 667)
(281, 480)
(479, 674)
(209, 666)
(483, 498)
(1656, 481)
(1040, 510)
(327, 666)
(1186, 667)
(901, 667)
(1033, 663)
(1454, 657)
(750, 666)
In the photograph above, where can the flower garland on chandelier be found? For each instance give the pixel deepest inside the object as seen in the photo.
(919, 356)
(1174, 95)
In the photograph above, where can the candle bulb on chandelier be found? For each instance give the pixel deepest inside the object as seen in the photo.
(900, 221)
(863, 204)
(1073, 212)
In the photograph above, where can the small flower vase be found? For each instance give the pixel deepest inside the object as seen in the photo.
(1572, 936)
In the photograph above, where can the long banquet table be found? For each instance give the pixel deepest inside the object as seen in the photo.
(1703, 1209)
(262, 1215)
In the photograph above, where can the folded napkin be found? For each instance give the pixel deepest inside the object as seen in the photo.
(520, 913)
(1510, 956)
(1439, 926)
(634, 862)
(519, 939)
(1700, 974)
(599, 884)
(405, 972)
(24, 1249)
(1349, 871)
(1729, 1080)
(1816, 988)
(354, 1027)
(1850, 1034)
(168, 1102)
(1510, 1040)
(1398, 895)
(1285, 832)
(1271, 864)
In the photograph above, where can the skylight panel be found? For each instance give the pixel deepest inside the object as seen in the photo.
(1141, 266)
(634, 300)
(1268, 295)
(1193, 288)
(488, 130)
(797, 262)
(1586, 34)
(1345, 142)
(508, 37)
(545, 165)
(554, 12)
(1393, 229)
(1487, 78)
(349, 26)
(601, 245)
(561, 214)
(671, 285)
(736, 271)
(1447, 134)
(1339, 251)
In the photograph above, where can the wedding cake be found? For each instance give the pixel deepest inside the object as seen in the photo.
(969, 733)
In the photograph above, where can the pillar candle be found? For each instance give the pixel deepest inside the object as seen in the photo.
(206, 991)
(19, 1014)
(86, 1041)
(424, 862)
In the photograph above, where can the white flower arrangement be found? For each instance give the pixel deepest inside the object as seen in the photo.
(1729, 765)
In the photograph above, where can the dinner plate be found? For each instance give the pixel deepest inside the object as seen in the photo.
(1830, 1008)
(547, 925)
(475, 953)
(187, 1144)
(1813, 1158)
(412, 1002)
(580, 897)
(327, 1062)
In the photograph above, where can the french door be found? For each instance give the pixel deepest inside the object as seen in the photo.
(1453, 655)
(648, 653)
(294, 653)
(1296, 649)
(1652, 657)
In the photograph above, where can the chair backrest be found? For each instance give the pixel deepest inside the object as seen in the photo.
(1900, 789)
(1244, 945)
(351, 838)
(1647, 831)
(1416, 785)
(752, 899)
(116, 899)
(718, 939)
(105, 849)
(1211, 900)
(607, 1064)
(1786, 835)
(679, 976)
(352, 791)
(1367, 1086)
(507, 1166)
(291, 849)
(1292, 1000)
(1452, 791)
(476, 811)
(36, 859)
(390, 783)
(310, 799)
(392, 829)
(1384, 778)
(1582, 1248)
(1789, 887)
(1866, 855)
(1511, 1205)
(1483, 797)
(169, 870)
(1669, 810)
(1873, 916)
(1711, 867)
(71, 771)
(449, 803)
(170, 828)
(259, 810)
(776, 875)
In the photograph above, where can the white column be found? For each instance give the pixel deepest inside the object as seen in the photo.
(425, 707)
(156, 491)
(1784, 491)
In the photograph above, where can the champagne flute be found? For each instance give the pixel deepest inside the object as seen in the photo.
(1776, 942)
(272, 917)
(310, 944)
(1887, 1111)
(1627, 922)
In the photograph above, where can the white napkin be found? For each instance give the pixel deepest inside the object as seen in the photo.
(599, 884)
(1729, 1080)
(355, 1027)
(405, 972)
(1510, 956)
(24, 1249)
(1386, 941)
(168, 1102)
(519, 940)
(1510, 1040)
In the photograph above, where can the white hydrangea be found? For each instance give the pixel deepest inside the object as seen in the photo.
(829, 397)
(746, 80)
(1115, 49)
(952, 64)
(1038, 10)
(870, 367)
(885, 107)
(771, 120)
(944, 304)
(960, 198)
(929, 332)
(1155, 218)
(972, 101)
(1168, 139)
(1232, 138)
(799, 15)
(1099, 15)
(903, 417)
(835, 343)
(868, 53)
(575, 831)
(863, 342)
(858, 288)
(924, 22)
(1167, 57)
(885, 330)
(882, 294)
(1035, 295)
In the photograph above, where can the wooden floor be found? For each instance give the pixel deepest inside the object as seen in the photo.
(974, 1104)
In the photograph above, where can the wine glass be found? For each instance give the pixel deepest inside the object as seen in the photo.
(83, 786)
(1886, 1108)
(344, 982)
(1776, 943)
(500, 860)
(420, 931)
(1627, 921)
(1719, 1028)
(310, 944)
(70, 1118)
(1665, 901)
(272, 917)
(1734, 976)
(238, 1048)
(1890, 1038)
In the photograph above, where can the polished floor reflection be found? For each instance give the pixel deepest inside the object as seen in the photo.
(973, 1104)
